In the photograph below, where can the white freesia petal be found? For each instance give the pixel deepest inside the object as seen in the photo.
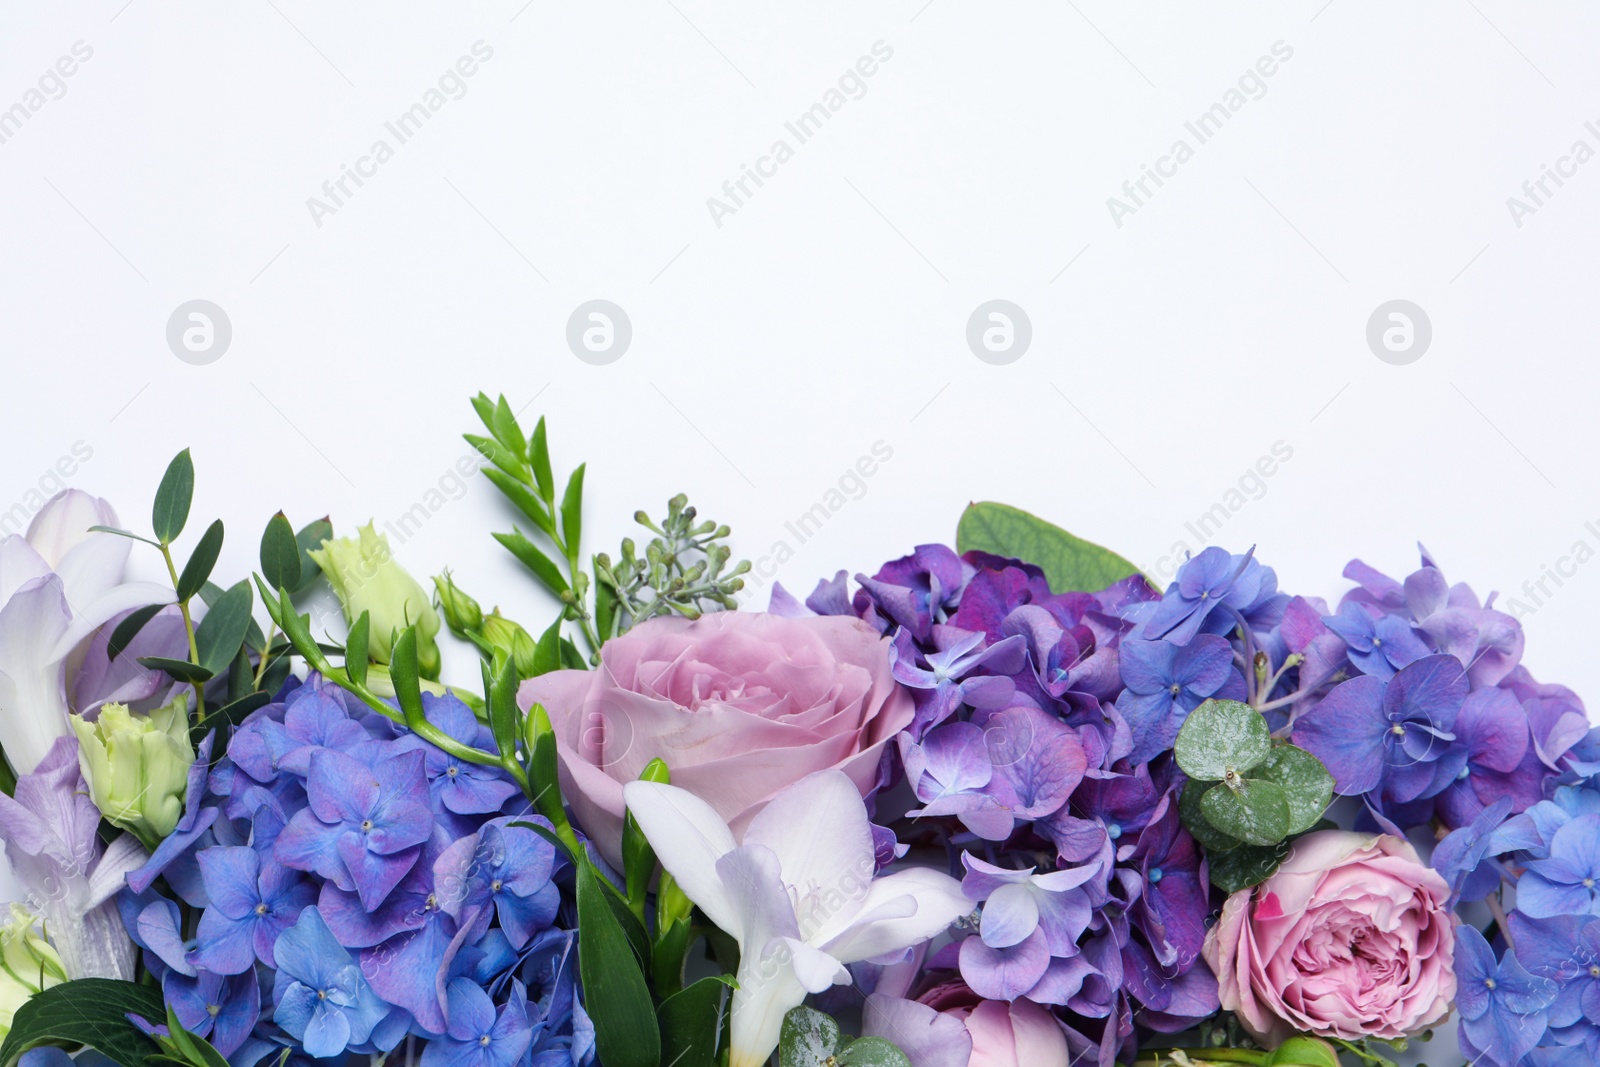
(768, 983)
(89, 617)
(939, 901)
(64, 521)
(93, 567)
(20, 563)
(33, 708)
(688, 838)
(814, 968)
(818, 828)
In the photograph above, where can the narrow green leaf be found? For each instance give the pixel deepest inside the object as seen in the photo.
(118, 531)
(1245, 866)
(1070, 564)
(523, 498)
(504, 717)
(173, 495)
(632, 926)
(539, 459)
(358, 650)
(638, 858)
(280, 554)
(571, 658)
(537, 562)
(404, 675)
(1305, 781)
(605, 606)
(221, 632)
(668, 954)
(180, 669)
(309, 537)
(485, 409)
(547, 653)
(808, 1038)
(129, 628)
(572, 512)
(1256, 812)
(615, 992)
(201, 561)
(88, 1011)
(235, 713)
(241, 676)
(872, 1052)
(498, 454)
(1221, 735)
(691, 1023)
(503, 424)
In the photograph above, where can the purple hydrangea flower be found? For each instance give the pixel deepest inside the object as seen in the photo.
(504, 869)
(1504, 1009)
(219, 1007)
(480, 1036)
(1378, 644)
(251, 904)
(1567, 881)
(1165, 682)
(1204, 583)
(322, 1000)
(947, 681)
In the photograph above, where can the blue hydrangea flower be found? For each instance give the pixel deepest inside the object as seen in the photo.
(505, 870)
(1165, 682)
(1504, 1009)
(322, 1000)
(1567, 882)
(480, 1036)
(222, 1008)
(1378, 644)
(251, 905)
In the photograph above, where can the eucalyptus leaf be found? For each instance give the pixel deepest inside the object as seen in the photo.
(1245, 866)
(808, 1038)
(872, 1052)
(626, 1032)
(280, 554)
(1070, 564)
(1221, 735)
(1189, 811)
(129, 628)
(180, 669)
(1305, 781)
(1254, 811)
(201, 561)
(221, 633)
(173, 495)
(88, 1011)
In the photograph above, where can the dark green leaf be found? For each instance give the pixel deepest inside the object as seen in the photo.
(504, 717)
(241, 676)
(571, 658)
(572, 512)
(280, 554)
(691, 1024)
(547, 653)
(308, 537)
(357, 649)
(638, 936)
(1070, 564)
(277, 673)
(129, 628)
(221, 632)
(667, 956)
(537, 562)
(498, 454)
(809, 1038)
(404, 675)
(1245, 866)
(539, 459)
(1221, 735)
(1195, 820)
(88, 1011)
(204, 557)
(235, 713)
(872, 1052)
(1305, 781)
(1254, 811)
(625, 1029)
(180, 669)
(173, 495)
(522, 497)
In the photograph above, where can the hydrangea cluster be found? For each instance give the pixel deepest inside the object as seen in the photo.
(357, 885)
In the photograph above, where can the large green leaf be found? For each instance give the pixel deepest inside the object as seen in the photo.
(1254, 811)
(1071, 564)
(691, 1022)
(1221, 736)
(88, 1011)
(280, 554)
(204, 557)
(625, 1029)
(171, 508)
(222, 631)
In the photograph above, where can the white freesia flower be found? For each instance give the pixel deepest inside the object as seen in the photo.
(57, 586)
(798, 895)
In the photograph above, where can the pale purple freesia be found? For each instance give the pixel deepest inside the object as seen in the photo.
(51, 838)
(57, 586)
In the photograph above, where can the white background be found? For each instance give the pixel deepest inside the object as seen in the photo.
(828, 312)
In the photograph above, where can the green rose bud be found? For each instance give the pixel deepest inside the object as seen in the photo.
(509, 637)
(28, 964)
(137, 766)
(461, 613)
(366, 578)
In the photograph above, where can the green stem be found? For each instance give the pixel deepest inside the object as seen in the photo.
(188, 628)
(266, 653)
(1162, 1057)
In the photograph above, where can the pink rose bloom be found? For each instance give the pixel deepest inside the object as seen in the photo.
(1018, 1034)
(1352, 937)
(739, 705)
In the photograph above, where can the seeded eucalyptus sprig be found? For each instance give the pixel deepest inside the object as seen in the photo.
(684, 570)
(1246, 794)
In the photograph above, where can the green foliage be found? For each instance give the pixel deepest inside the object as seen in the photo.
(171, 509)
(281, 561)
(1246, 795)
(683, 571)
(810, 1038)
(88, 1011)
(691, 1023)
(1070, 564)
(615, 993)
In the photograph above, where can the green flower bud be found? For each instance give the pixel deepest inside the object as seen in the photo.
(510, 638)
(28, 964)
(366, 578)
(461, 613)
(137, 766)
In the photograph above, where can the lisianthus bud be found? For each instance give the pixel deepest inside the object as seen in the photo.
(509, 637)
(28, 964)
(366, 578)
(137, 766)
(461, 613)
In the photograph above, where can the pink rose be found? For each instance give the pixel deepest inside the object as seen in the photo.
(738, 704)
(1352, 937)
(1018, 1034)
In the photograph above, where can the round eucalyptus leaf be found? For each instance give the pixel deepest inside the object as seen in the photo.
(1305, 781)
(1189, 810)
(1245, 866)
(1256, 811)
(1222, 735)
